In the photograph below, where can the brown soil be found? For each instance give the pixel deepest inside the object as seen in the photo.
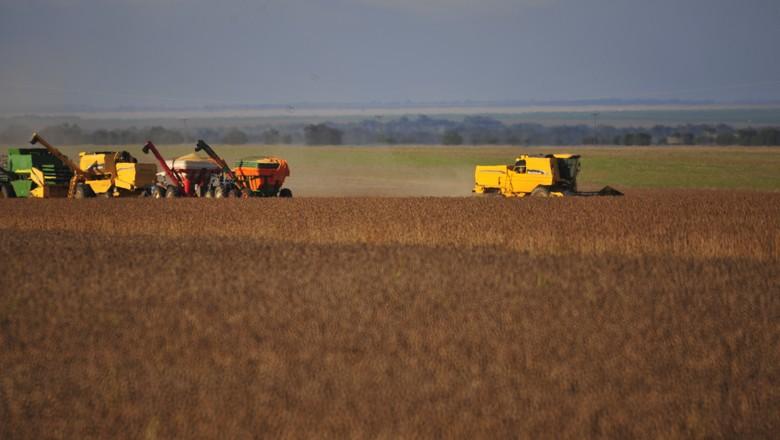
(652, 315)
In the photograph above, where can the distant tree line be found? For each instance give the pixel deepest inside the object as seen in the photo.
(321, 134)
(471, 130)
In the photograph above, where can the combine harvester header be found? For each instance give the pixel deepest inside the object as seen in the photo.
(551, 175)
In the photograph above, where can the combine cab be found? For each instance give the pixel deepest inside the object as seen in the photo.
(34, 172)
(552, 175)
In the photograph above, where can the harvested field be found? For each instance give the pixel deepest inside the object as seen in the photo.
(652, 315)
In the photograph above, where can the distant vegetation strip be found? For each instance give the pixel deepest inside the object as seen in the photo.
(471, 130)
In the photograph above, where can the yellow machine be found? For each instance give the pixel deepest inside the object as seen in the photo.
(551, 175)
(114, 174)
(107, 173)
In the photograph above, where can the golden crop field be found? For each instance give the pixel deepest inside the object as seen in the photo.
(655, 315)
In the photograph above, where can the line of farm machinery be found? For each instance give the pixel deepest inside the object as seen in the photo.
(48, 172)
(195, 176)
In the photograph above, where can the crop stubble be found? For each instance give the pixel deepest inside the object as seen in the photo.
(655, 314)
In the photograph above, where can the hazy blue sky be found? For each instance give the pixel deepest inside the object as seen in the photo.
(193, 53)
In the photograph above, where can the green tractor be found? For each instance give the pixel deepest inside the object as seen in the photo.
(34, 172)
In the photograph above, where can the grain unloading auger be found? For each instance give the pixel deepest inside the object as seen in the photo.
(223, 187)
(188, 176)
(79, 175)
(177, 184)
(259, 177)
(551, 175)
(106, 173)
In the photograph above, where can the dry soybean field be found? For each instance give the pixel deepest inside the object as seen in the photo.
(655, 315)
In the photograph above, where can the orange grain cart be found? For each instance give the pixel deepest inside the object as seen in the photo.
(264, 176)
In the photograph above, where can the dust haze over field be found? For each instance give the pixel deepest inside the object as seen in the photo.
(448, 171)
(651, 315)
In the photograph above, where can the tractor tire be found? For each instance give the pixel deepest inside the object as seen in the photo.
(157, 192)
(171, 192)
(7, 191)
(540, 191)
(285, 192)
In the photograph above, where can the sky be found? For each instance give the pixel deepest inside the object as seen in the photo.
(57, 54)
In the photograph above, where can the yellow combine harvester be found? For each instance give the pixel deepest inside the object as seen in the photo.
(106, 173)
(551, 175)
(117, 174)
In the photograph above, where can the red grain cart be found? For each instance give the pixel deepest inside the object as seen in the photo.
(188, 176)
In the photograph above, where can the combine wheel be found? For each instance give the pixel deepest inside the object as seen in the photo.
(83, 191)
(199, 190)
(243, 193)
(109, 194)
(171, 192)
(540, 191)
(7, 191)
(285, 192)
